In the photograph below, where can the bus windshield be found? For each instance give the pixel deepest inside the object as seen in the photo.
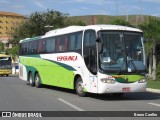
(122, 52)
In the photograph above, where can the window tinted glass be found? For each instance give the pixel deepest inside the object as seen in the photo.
(50, 45)
(79, 41)
(63, 43)
(41, 46)
(89, 38)
(72, 41)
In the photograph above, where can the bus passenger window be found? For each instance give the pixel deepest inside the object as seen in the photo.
(41, 46)
(65, 42)
(50, 45)
(79, 41)
(60, 43)
(72, 41)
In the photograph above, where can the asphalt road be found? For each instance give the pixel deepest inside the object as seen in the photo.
(15, 95)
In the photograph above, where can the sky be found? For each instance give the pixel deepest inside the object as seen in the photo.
(83, 7)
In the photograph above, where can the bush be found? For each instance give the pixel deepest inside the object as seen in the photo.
(158, 72)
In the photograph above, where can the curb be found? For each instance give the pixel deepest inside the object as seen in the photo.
(152, 90)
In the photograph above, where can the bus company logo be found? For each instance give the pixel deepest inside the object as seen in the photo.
(118, 76)
(67, 58)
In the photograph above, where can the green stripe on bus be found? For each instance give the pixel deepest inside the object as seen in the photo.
(70, 68)
(51, 73)
(127, 78)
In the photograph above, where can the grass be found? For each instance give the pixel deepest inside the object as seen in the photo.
(155, 84)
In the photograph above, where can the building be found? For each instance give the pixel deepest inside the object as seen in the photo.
(8, 21)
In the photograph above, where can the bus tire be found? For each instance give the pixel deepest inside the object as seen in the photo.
(79, 88)
(31, 82)
(37, 80)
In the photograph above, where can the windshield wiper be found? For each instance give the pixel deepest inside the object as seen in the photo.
(119, 72)
(133, 65)
(127, 66)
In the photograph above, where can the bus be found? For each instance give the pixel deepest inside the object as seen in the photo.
(88, 59)
(5, 65)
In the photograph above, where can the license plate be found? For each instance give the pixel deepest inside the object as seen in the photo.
(127, 89)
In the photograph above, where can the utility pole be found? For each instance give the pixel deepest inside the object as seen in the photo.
(139, 16)
(93, 20)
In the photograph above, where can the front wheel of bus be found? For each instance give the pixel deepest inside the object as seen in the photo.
(79, 88)
(37, 81)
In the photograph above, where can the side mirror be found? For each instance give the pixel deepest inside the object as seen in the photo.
(99, 44)
(98, 39)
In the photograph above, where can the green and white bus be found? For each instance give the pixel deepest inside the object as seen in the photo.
(89, 59)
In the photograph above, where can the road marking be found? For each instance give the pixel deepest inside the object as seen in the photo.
(71, 105)
(155, 104)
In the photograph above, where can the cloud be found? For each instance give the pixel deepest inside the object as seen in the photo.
(96, 2)
(18, 6)
(84, 8)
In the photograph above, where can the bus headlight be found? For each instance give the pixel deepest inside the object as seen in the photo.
(105, 80)
(143, 80)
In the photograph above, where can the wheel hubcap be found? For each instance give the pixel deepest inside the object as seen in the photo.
(30, 80)
(37, 80)
(80, 87)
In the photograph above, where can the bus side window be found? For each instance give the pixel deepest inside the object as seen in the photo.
(41, 46)
(72, 42)
(24, 48)
(63, 43)
(60, 43)
(65, 37)
(50, 45)
(89, 51)
(29, 47)
(79, 41)
(32, 47)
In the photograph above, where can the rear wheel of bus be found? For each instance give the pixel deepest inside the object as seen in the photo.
(31, 82)
(37, 80)
(79, 87)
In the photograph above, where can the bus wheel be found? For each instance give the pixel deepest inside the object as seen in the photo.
(79, 87)
(31, 82)
(37, 80)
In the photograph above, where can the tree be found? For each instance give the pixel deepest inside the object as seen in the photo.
(121, 22)
(13, 52)
(152, 33)
(36, 22)
(2, 49)
(35, 26)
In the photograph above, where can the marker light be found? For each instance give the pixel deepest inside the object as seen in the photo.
(105, 80)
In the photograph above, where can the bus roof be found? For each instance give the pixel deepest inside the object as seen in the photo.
(72, 29)
(30, 39)
(3, 55)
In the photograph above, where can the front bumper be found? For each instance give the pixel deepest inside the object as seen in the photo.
(122, 87)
